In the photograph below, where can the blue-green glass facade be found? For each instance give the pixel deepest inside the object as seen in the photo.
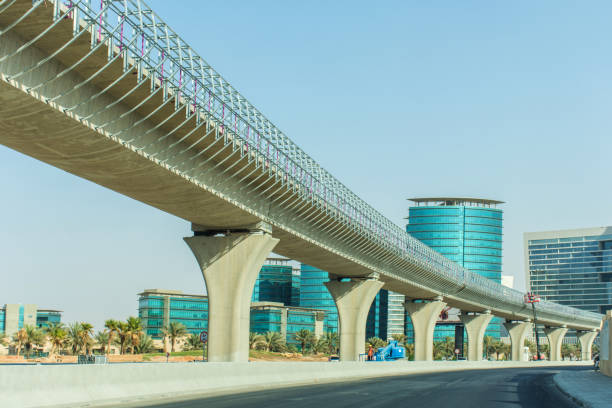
(378, 316)
(27, 316)
(314, 295)
(299, 320)
(157, 310)
(572, 267)
(265, 319)
(288, 320)
(46, 317)
(277, 282)
(468, 233)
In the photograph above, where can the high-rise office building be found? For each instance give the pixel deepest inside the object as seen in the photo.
(467, 231)
(14, 317)
(386, 315)
(314, 295)
(395, 314)
(278, 281)
(571, 267)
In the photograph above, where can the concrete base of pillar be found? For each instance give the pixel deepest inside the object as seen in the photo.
(475, 325)
(586, 339)
(353, 300)
(424, 317)
(518, 331)
(230, 265)
(555, 339)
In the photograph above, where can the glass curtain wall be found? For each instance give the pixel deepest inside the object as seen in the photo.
(314, 295)
(466, 231)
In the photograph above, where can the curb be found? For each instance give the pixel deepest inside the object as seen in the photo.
(557, 381)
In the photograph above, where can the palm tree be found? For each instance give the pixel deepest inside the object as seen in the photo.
(135, 330)
(145, 344)
(3, 340)
(123, 334)
(531, 345)
(86, 333)
(35, 337)
(545, 349)
(410, 351)
(102, 338)
(497, 347)
(304, 337)
(444, 349)
(254, 339)
(176, 330)
(568, 350)
(194, 342)
(272, 341)
(331, 339)
(165, 336)
(376, 342)
(20, 337)
(488, 345)
(74, 338)
(400, 338)
(111, 325)
(57, 335)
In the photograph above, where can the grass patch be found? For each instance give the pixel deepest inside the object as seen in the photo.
(262, 353)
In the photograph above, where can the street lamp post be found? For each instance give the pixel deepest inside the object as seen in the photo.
(532, 298)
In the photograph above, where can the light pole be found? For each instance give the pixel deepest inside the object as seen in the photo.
(533, 299)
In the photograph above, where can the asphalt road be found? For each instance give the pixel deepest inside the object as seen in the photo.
(499, 388)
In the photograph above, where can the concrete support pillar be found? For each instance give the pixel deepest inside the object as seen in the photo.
(555, 339)
(353, 300)
(605, 345)
(230, 265)
(518, 331)
(475, 325)
(424, 317)
(586, 339)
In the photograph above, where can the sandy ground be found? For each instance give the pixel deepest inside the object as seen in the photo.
(134, 358)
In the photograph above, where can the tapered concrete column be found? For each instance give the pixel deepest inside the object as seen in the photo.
(518, 331)
(555, 339)
(586, 339)
(230, 265)
(475, 325)
(424, 317)
(353, 300)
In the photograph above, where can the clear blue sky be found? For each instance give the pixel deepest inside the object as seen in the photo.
(495, 99)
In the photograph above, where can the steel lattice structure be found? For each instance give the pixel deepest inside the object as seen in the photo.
(258, 157)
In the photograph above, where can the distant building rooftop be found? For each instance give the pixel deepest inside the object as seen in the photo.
(3, 307)
(451, 201)
(169, 293)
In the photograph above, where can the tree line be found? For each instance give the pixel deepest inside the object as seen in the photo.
(79, 338)
(307, 342)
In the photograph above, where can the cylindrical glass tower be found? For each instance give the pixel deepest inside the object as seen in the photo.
(465, 230)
